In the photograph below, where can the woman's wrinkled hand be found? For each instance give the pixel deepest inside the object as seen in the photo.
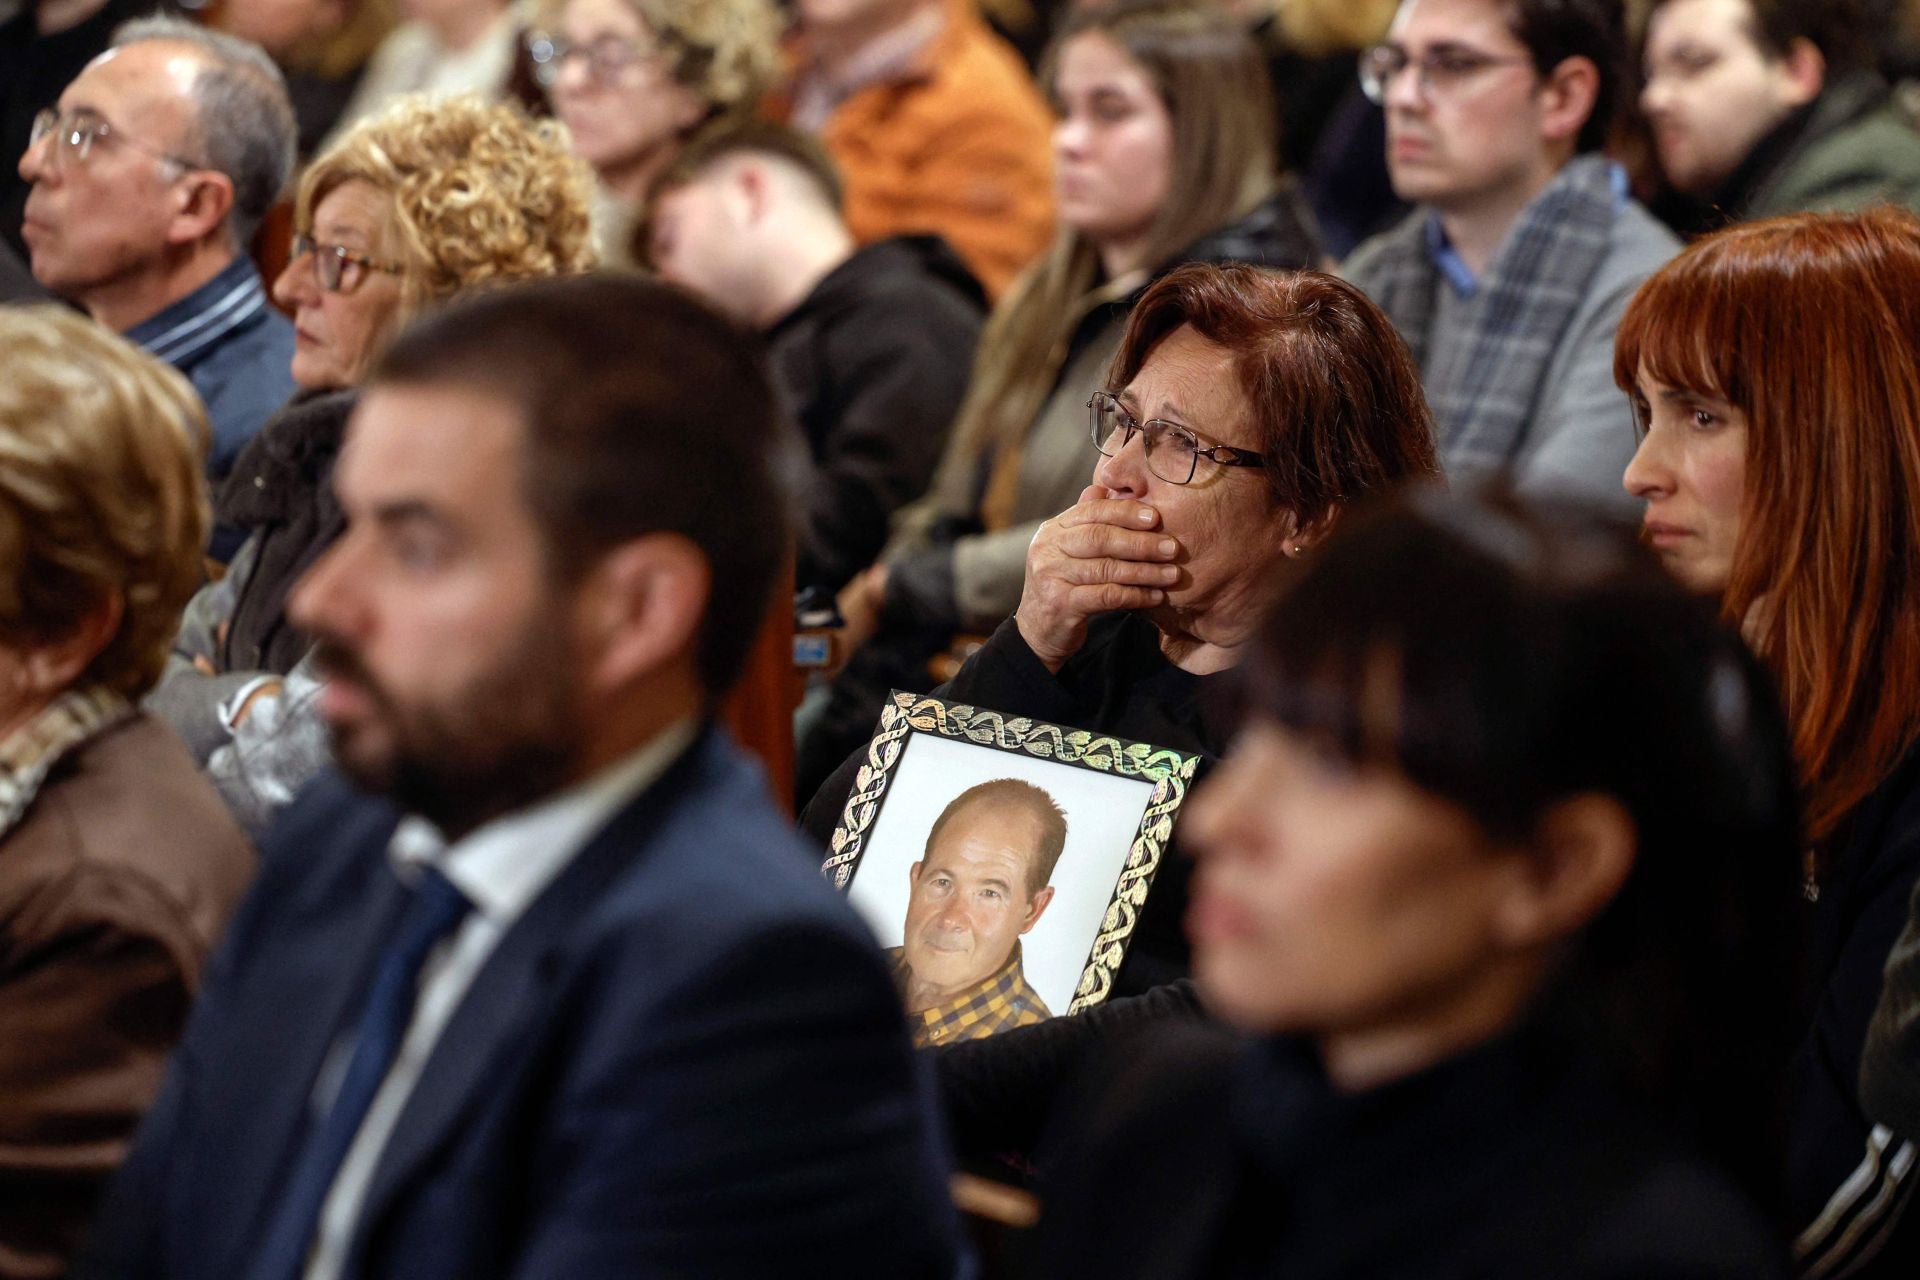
(1099, 556)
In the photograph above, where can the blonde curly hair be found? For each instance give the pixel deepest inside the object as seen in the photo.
(481, 193)
(726, 51)
(101, 496)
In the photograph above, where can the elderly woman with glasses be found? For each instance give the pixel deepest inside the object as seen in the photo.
(633, 79)
(408, 209)
(1245, 410)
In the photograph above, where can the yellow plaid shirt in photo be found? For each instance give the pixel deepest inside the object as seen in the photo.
(996, 1004)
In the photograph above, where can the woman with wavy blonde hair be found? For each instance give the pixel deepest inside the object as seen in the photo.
(118, 864)
(458, 192)
(1775, 367)
(426, 200)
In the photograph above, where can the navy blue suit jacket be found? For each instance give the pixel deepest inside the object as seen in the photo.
(686, 1059)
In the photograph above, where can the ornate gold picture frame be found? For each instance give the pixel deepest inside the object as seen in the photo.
(931, 763)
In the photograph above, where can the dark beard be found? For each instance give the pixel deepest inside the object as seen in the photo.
(460, 796)
(508, 741)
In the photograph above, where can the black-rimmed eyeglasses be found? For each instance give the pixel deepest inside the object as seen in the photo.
(1173, 451)
(1440, 76)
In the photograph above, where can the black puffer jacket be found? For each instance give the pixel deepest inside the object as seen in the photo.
(872, 365)
(1199, 1154)
(281, 493)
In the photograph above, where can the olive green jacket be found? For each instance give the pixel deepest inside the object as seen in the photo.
(1854, 147)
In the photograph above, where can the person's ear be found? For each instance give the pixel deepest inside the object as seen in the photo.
(53, 666)
(1568, 96)
(640, 609)
(1581, 854)
(913, 873)
(203, 199)
(756, 192)
(1302, 538)
(1035, 907)
(1803, 72)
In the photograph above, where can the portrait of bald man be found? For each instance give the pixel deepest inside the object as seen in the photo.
(982, 883)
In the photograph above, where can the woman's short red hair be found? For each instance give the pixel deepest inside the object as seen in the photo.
(1331, 387)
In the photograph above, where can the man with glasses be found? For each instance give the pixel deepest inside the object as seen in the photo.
(44, 44)
(1509, 279)
(149, 178)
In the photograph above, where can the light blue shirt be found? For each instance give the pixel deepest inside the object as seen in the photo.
(1454, 269)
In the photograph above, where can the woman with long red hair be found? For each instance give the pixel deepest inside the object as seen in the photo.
(1775, 367)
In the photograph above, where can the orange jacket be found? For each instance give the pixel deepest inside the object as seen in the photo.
(960, 146)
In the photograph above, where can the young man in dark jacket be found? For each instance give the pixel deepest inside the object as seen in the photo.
(870, 348)
(1764, 107)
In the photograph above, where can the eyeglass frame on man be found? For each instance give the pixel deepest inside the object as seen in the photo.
(550, 55)
(74, 133)
(1159, 428)
(341, 258)
(1458, 66)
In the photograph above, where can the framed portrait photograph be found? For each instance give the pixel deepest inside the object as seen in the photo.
(1002, 862)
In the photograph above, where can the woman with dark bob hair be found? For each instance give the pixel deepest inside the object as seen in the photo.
(1505, 972)
(1776, 370)
(1246, 408)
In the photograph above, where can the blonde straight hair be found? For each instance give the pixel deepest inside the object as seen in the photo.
(1213, 81)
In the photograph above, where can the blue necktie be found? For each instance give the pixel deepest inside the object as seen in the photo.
(436, 908)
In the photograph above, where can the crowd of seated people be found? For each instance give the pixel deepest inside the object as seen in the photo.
(409, 208)
(1163, 154)
(1248, 406)
(1479, 438)
(1452, 915)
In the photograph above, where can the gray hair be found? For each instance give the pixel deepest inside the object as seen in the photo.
(242, 115)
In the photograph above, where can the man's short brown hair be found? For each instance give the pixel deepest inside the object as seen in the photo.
(749, 136)
(1839, 29)
(731, 136)
(646, 411)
